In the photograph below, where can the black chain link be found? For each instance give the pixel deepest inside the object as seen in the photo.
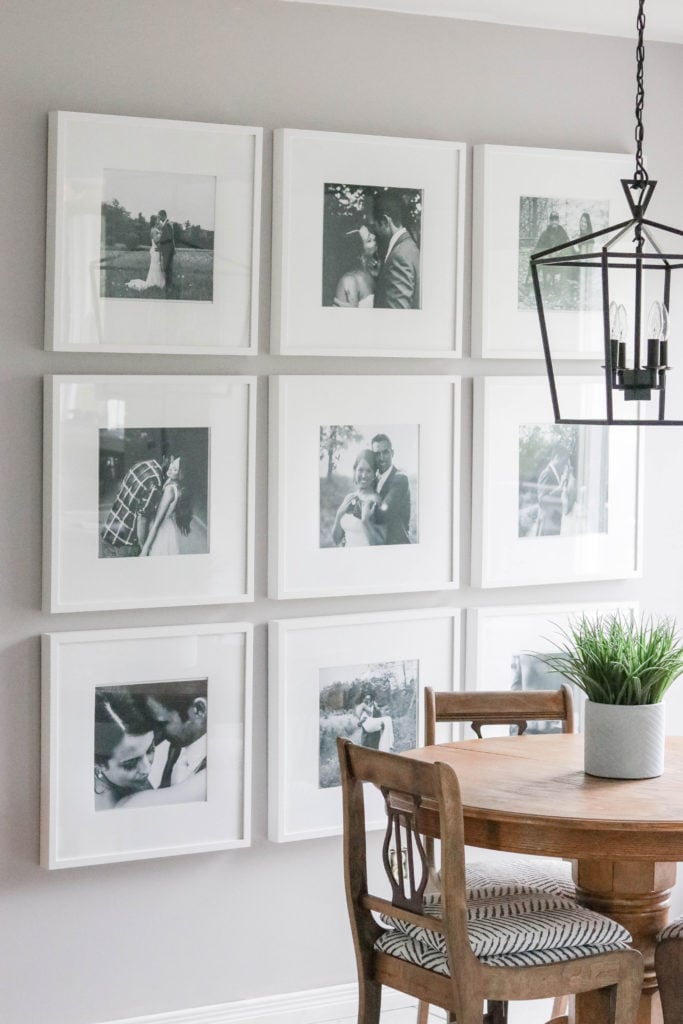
(641, 174)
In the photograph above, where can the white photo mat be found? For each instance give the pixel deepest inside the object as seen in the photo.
(502, 176)
(82, 149)
(304, 162)
(299, 407)
(501, 557)
(298, 808)
(77, 408)
(74, 665)
(498, 635)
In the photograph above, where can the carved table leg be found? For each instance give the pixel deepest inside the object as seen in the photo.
(637, 895)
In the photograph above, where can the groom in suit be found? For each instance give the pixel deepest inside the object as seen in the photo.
(180, 720)
(398, 284)
(393, 489)
(166, 250)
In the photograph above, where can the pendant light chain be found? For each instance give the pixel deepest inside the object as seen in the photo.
(641, 174)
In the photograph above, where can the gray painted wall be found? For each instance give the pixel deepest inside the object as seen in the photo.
(88, 945)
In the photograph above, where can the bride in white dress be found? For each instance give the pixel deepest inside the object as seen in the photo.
(377, 730)
(155, 274)
(353, 523)
(173, 515)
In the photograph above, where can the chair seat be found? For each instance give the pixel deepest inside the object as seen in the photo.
(674, 930)
(518, 931)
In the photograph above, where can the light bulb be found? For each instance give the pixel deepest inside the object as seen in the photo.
(654, 321)
(622, 322)
(613, 319)
(664, 339)
(664, 333)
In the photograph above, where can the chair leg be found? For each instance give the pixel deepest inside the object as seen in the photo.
(496, 1012)
(627, 996)
(560, 1010)
(669, 968)
(369, 1001)
(422, 1012)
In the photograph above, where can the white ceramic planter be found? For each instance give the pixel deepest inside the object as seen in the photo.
(624, 741)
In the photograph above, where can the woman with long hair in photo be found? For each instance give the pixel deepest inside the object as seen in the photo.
(354, 524)
(174, 515)
(356, 287)
(124, 747)
(155, 275)
(585, 228)
(588, 281)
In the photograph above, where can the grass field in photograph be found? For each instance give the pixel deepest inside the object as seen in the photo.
(192, 275)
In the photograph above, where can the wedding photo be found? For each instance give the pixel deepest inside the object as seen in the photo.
(374, 705)
(157, 236)
(547, 222)
(563, 480)
(371, 247)
(368, 485)
(153, 491)
(150, 744)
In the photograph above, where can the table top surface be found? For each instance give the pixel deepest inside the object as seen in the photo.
(531, 794)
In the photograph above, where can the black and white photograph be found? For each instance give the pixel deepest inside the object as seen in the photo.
(563, 480)
(371, 247)
(153, 491)
(374, 705)
(153, 721)
(529, 672)
(150, 744)
(545, 223)
(368, 485)
(157, 236)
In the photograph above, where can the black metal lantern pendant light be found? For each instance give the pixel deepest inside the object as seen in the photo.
(633, 276)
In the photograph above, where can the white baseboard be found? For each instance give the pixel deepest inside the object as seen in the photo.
(316, 1006)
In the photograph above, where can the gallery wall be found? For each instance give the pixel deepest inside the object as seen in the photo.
(88, 945)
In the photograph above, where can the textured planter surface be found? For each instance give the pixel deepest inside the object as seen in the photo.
(624, 741)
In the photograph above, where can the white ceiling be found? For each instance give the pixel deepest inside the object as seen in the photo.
(604, 17)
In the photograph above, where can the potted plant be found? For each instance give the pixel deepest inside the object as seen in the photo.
(624, 666)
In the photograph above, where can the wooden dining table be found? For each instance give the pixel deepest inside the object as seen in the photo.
(530, 795)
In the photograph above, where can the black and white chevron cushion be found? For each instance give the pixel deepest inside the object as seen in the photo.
(674, 930)
(519, 876)
(518, 931)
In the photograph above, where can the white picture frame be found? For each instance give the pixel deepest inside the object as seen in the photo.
(528, 529)
(97, 429)
(568, 183)
(209, 177)
(308, 257)
(500, 640)
(420, 416)
(420, 647)
(80, 672)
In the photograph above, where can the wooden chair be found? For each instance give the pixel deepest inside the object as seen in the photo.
(514, 708)
(443, 960)
(669, 968)
(498, 707)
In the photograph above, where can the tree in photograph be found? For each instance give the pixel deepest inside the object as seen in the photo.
(333, 441)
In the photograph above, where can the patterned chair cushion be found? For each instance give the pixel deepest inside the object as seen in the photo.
(397, 944)
(674, 930)
(519, 876)
(500, 927)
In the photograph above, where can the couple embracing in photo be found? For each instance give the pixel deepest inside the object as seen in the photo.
(377, 511)
(161, 256)
(386, 270)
